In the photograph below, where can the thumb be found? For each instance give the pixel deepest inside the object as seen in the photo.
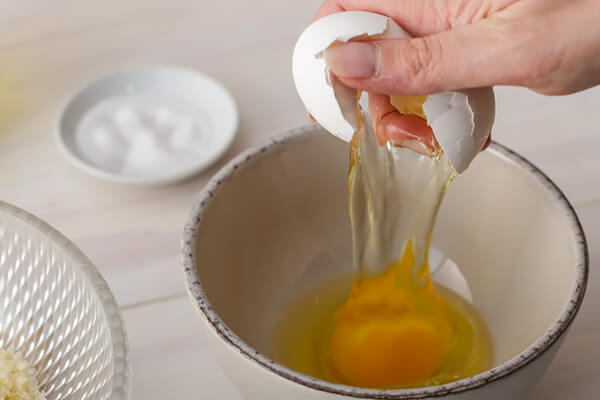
(469, 56)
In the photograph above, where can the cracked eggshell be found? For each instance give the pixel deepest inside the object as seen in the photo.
(461, 120)
(332, 104)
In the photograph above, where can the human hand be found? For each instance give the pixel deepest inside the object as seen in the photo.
(549, 46)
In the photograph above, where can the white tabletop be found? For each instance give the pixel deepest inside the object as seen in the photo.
(49, 49)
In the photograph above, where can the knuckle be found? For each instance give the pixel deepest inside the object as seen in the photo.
(420, 60)
(417, 57)
(547, 91)
(539, 72)
(551, 85)
(435, 13)
(536, 73)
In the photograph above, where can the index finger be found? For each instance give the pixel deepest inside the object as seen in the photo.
(401, 130)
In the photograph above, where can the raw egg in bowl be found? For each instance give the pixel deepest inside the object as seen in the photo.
(273, 223)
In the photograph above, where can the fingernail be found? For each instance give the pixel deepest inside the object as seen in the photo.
(353, 60)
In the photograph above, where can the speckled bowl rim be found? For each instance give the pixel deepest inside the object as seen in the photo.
(121, 377)
(528, 355)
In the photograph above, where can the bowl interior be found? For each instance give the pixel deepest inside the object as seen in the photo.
(50, 312)
(280, 223)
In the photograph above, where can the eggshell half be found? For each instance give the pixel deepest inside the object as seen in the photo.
(461, 122)
(332, 104)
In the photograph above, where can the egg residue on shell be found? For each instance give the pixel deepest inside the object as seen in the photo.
(460, 120)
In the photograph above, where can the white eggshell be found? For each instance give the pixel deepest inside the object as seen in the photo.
(461, 120)
(445, 272)
(332, 104)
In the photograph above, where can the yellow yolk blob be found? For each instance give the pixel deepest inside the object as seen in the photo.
(409, 105)
(390, 332)
(385, 352)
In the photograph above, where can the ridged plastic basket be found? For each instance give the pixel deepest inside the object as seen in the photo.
(58, 313)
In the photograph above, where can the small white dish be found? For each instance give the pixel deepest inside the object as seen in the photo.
(148, 125)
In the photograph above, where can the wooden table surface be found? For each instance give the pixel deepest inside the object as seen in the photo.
(49, 49)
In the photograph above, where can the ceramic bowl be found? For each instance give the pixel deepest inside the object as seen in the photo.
(274, 220)
(58, 313)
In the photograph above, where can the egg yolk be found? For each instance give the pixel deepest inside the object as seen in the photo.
(409, 105)
(392, 330)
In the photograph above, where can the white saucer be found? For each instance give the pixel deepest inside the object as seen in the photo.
(205, 103)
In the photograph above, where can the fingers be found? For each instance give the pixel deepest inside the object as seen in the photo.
(432, 63)
(417, 17)
(420, 17)
(471, 56)
(402, 130)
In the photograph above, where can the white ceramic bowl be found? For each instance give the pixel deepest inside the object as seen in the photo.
(275, 219)
(206, 100)
(58, 313)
